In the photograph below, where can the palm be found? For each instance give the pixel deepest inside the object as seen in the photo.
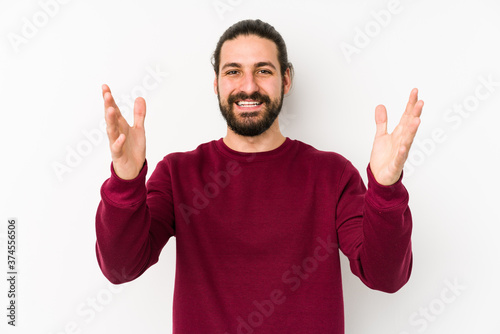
(390, 151)
(127, 143)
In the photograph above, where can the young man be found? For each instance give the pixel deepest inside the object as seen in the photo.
(259, 218)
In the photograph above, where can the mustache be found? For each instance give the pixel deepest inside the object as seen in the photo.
(256, 96)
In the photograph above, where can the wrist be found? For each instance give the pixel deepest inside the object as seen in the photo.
(125, 173)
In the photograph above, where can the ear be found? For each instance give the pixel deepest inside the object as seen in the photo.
(287, 81)
(215, 85)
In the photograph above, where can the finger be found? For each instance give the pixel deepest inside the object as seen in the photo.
(105, 88)
(407, 141)
(381, 120)
(109, 101)
(417, 109)
(411, 131)
(117, 145)
(411, 122)
(411, 101)
(112, 125)
(413, 109)
(139, 112)
(401, 157)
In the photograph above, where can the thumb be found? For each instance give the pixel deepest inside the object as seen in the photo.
(381, 120)
(139, 112)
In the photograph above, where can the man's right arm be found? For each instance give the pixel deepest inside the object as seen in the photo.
(133, 223)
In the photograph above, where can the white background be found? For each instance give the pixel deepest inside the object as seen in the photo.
(50, 89)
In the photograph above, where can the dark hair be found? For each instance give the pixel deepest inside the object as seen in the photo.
(257, 28)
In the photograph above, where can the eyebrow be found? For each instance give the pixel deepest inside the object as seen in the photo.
(259, 64)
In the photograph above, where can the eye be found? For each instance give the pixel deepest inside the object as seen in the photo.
(264, 71)
(232, 72)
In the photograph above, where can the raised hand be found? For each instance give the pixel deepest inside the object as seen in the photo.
(390, 151)
(127, 143)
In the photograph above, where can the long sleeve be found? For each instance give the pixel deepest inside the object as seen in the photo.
(133, 223)
(374, 229)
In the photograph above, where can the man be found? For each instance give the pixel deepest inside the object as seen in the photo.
(259, 218)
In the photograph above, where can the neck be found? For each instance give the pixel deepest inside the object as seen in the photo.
(267, 141)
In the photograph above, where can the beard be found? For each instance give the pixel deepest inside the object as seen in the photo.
(250, 124)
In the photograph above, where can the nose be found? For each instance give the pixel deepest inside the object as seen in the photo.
(248, 84)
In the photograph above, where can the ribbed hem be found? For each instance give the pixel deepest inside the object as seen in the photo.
(125, 192)
(385, 197)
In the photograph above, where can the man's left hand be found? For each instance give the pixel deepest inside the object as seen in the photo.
(390, 151)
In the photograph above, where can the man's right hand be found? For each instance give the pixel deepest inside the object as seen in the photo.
(127, 143)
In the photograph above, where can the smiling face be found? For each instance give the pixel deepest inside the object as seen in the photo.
(250, 86)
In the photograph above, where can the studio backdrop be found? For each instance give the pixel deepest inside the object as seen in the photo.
(349, 57)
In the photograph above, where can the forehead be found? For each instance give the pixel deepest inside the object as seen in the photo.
(249, 49)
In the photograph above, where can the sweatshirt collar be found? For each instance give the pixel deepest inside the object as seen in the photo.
(252, 156)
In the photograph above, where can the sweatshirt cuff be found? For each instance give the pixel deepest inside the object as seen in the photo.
(385, 197)
(122, 192)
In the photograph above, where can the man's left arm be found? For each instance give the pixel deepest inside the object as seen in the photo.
(377, 240)
(374, 230)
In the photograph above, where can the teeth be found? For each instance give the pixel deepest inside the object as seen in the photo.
(248, 104)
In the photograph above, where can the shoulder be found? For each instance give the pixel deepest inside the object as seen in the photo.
(177, 163)
(199, 151)
(328, 169)
(319, 157)
(196, 156)
(323, 165)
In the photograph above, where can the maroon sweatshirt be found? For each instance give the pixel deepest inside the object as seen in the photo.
(258, 236)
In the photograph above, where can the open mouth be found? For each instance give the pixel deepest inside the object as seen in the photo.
(249, 104)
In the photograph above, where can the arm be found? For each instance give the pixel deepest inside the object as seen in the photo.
(374, 230)
(133, 222)
(377, 238)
